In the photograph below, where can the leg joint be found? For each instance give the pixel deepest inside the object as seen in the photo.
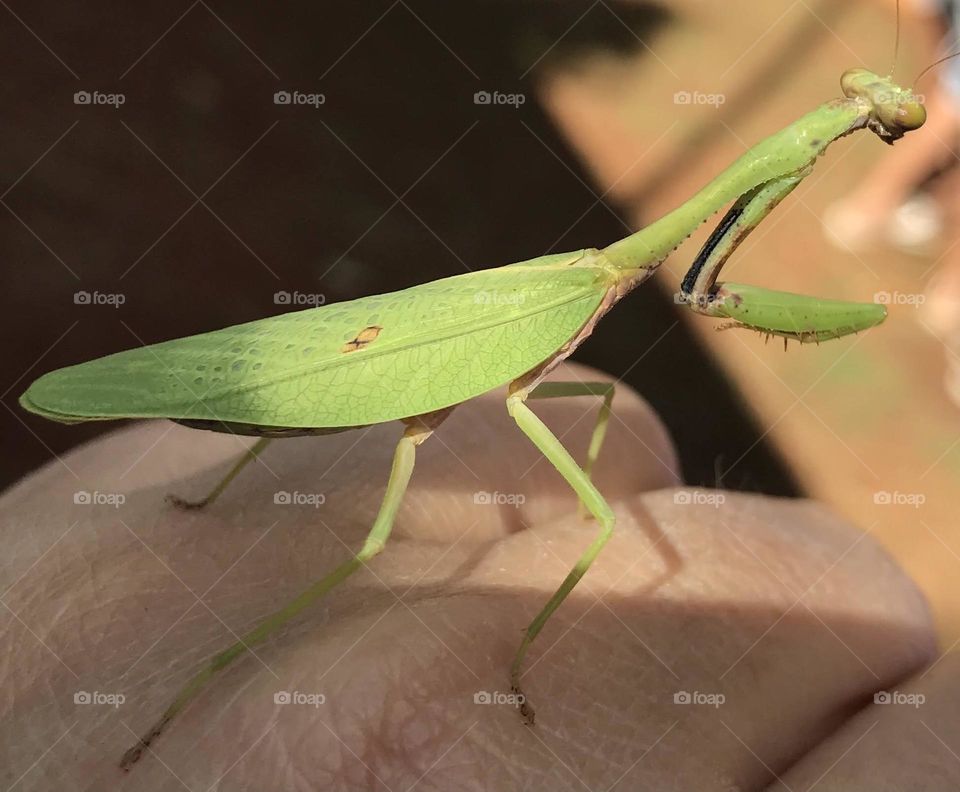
(371, 547)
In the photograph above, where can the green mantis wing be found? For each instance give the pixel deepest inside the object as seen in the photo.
(354, 363)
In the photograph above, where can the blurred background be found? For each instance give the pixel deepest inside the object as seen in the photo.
(168, 170)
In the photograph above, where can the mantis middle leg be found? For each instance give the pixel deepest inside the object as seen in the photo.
(554, 390)
(579, 481)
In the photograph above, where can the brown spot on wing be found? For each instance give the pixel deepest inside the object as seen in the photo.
(363, 338)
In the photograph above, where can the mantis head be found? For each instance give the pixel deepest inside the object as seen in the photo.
(894, 111)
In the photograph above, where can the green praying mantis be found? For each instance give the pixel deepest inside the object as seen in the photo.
(414, 355)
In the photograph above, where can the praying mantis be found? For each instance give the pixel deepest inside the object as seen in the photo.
(414, 355)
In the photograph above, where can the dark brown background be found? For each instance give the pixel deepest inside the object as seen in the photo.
(313, 205)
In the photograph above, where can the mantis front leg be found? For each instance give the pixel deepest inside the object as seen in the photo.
(788, 315)
(744, 216)
(579, 481)
(418, 430)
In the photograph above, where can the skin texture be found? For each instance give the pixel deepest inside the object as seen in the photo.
(696, 596)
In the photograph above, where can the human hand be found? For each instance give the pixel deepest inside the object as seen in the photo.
(776, 619)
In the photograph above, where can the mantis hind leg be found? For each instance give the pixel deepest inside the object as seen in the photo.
(248, 456)
(580, 482)
(555, 390)
(416, 432)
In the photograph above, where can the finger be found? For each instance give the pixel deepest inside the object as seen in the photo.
(772, 639)
(905, 737)
(732, 633)
(687, 595)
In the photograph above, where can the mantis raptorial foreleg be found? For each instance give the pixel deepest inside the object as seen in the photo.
(248, 456)
(400, 472)
(744, 216)
(577, 478)
(772, 312)
(555, 390)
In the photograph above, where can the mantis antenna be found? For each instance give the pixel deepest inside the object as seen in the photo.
(934, 65)
(896, 43)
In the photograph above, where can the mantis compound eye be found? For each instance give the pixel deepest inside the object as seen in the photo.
(906, 115)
